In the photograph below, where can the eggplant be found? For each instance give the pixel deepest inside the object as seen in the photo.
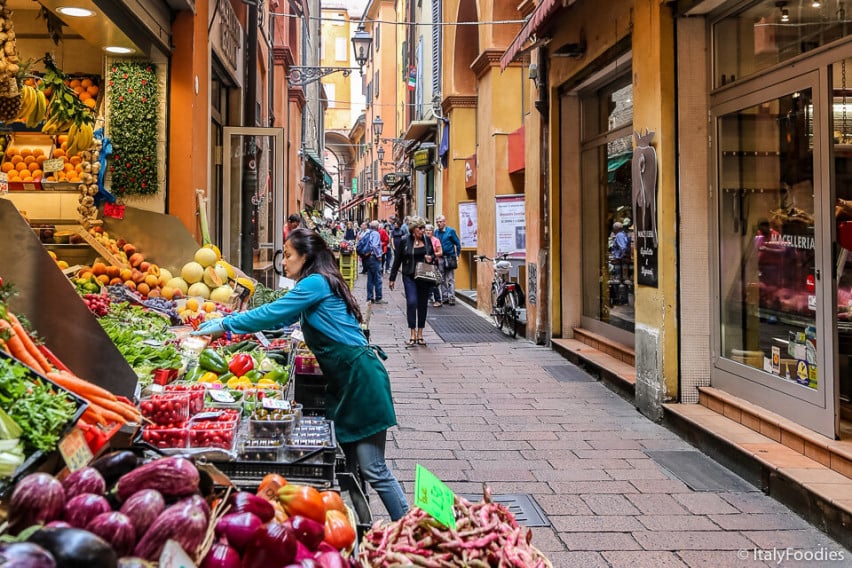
(142, 508)
(80, 510)
(75, 548)
(84, 480)
(113, 465)
(25, 555)
(37, 498)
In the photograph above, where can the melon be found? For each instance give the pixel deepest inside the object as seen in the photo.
(228, 269)
(222, 294)
(164, 273)
(215, 249)
(205, 257)
(177, 284)
(215, 276)
(192, 272)
(199, 290)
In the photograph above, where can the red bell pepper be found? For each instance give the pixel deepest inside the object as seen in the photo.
(240, 364)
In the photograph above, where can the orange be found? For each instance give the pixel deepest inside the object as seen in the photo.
(33, 166)
(38, 173)
(29, 159)
(50, 178)
(20, 166)
(74, 178)
(17, 159)
(84, 96)
(78, 168)
(93, 90)
(59, 153)
(74, 83)
(90, 102)
(60, 176)
(64, 146)
(75, 160)
(86, 83)
(40, 160)
(26, 152)
(68, 167)
(38, 152)
(62, 138)
(27, 178)
(7, 167)
(13, 175)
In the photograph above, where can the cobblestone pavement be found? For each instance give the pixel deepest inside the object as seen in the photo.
(489, 412)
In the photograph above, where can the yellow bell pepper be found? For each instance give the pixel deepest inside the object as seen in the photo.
(234, 383)
(208, 377)
(266, 383)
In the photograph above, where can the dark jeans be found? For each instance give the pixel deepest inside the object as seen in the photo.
(416, 301)
(368, 455)
(374, 278)
(388, 259)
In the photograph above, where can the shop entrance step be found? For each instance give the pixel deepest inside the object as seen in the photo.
(523, 506)
(568, 373)
(698, 471)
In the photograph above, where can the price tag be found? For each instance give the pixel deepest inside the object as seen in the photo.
(220, 395)
(114, 211)
(54, 165)
(298, 335)
(434, 497)
(276, 404)
(4, 182)
(173, 556)
(75, 451)
(264, 342)
(157, 389)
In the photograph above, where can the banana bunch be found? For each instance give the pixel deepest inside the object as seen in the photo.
(55, 125)
(80, 137)
(33, 106)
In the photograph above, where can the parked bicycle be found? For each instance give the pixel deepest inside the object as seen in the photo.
(506, 296)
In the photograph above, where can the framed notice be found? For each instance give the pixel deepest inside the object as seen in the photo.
(511, 226)
(467, 224)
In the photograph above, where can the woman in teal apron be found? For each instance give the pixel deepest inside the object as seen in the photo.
(358, 398)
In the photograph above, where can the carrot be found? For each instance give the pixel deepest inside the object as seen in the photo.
(127, 411)
(112, 416)
(44, 365)
(80, 386)
(18, 349)
(94, 416)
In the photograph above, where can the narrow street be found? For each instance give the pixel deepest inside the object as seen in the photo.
(481, 408)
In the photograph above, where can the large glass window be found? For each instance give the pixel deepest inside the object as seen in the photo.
(767, 239)
(772, 31)
(608, 294)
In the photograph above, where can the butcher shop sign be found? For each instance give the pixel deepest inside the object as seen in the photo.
(645, 209)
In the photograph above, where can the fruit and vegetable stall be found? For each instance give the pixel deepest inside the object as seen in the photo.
(213, 452)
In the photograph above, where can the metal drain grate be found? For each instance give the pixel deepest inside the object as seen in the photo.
(523, 506)
(698, 471)
(464, 327)
(569, 374)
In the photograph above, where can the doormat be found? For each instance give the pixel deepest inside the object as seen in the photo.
(460, 325)
(698, 471)
(523, 506)
(568, 374)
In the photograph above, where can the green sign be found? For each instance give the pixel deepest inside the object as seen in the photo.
(434, 497)
(354, 186)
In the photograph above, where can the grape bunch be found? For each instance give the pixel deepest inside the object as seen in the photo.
(163, 306)
(98, 304)
(121, 293)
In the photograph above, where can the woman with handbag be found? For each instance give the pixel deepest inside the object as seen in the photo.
(414, 259)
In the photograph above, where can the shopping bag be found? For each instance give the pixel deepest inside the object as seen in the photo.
(427, 273)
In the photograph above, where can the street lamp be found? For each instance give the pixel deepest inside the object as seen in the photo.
(378, 126)
(301, 75)
(381, 153)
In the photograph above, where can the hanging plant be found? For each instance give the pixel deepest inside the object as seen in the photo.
(134, 104)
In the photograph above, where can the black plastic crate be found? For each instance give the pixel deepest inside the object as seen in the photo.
(309, 391)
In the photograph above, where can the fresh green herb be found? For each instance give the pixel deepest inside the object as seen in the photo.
(142, 337)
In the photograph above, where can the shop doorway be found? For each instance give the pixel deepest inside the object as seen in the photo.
(253, 199)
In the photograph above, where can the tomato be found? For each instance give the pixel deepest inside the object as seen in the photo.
(338, 532)
(269, 486)
(332, 501)
(302, 500)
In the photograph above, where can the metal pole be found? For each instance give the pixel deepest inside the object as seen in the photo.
(250, 148)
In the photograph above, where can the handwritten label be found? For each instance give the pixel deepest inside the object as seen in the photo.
(264, 342)
(54, 165)
(75, 451)
(434, 497)
(276, 403)
(173, 556)
(220, 395)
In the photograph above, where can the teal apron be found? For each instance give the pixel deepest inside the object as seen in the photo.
(358, 398)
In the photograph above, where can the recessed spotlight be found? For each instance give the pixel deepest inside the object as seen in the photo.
(816, 4)
(118, 50)
(75, 12)
(785, 15)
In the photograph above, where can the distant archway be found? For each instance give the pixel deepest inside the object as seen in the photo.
(339, 144)
(466, 49)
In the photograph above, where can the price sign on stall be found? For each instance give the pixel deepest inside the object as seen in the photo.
(220, 395)
(4, 182)
(54, 165)
(173, 556)
(75, 451)
(276, 404)
(434, 497)
(264, 342)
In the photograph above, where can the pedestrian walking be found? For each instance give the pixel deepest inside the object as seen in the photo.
(349, 234)
(385, 238)
(370, 249)
(451, 246)
(357, 378)
(293, 222)
(414, 248)
(435, 291)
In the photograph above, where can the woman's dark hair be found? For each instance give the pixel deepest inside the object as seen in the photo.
(319, 260)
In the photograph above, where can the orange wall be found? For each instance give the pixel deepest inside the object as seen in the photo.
(189, 115)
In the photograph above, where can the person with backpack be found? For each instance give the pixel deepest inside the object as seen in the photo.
(370, 248)
(451, 246)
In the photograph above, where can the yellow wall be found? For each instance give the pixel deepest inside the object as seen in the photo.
(339, 115)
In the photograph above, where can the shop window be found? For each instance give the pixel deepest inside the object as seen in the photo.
(770, 32)
(767, 239)
(608, 258)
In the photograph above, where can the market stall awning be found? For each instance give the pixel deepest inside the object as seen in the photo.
(533, 25)
(330, 199)
(317, 161)
(353, 203)
(418, 129)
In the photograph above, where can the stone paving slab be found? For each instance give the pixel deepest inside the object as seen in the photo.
(490, 412)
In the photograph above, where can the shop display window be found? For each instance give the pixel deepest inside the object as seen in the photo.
(772, 31)
(767, 238)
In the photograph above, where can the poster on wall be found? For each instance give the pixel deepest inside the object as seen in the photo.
(511, 226)
(645, 209)
(467, 224)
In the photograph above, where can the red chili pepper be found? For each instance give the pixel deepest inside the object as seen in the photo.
(240, 364)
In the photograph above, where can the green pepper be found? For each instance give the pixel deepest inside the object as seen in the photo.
(276, 375)
(253, 375)
(209, 360)
(194, 374)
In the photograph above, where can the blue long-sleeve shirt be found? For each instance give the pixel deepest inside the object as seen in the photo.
(450, 242)
(312, 300)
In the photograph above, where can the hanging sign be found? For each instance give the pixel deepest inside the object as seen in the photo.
(645, 209)
(470, 172)
(423, 159)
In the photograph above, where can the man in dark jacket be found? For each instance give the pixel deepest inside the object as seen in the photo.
(451, 245)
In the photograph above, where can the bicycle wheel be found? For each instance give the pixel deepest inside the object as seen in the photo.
(496, 312)
(510, 313)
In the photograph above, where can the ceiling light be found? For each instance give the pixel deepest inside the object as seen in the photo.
(75, 12)
(118, 50)
(816, 4)
(785, 15)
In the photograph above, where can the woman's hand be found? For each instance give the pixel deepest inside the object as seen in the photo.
(390, 284)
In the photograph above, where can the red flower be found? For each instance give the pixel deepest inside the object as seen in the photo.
(121, 98)
(111, 83)
(129, 90)
(144, 185)
(125, 75)
(144, 82)
(144, 99)
(114, 69)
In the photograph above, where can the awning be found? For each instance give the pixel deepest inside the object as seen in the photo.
(418, 129)
(537, 19)
(330, 199)
(353, 203)
(314, 157)
(616, 162)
